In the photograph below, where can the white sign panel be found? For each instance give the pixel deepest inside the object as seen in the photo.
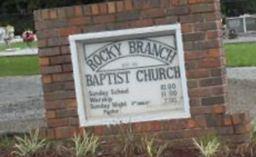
(130, 75)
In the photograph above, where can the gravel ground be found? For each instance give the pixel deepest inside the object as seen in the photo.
(242, 73)
(242, 89)
(21, 99)
(21, 104)
(249, 37)
(12, 88)
(240, 40)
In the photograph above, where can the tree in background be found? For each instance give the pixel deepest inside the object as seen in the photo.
(238, 7)
(19, 13)
(251, 6)
(27, 6)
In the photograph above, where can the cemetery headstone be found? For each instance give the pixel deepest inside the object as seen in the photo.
(157, 65)
(251, 23)
(2, 34)
(9, 34)
(236, 24)
(242, 24)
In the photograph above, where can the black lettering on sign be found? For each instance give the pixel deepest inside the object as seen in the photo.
(104, 55)
(155, 74)
(140, 47)
(108, 78)
(152, 48)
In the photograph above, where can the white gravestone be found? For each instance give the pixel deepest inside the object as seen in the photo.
(130, 75)
(251, 23)
(236, 24)
(2, 34)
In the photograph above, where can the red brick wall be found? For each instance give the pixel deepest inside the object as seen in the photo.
(204, 57)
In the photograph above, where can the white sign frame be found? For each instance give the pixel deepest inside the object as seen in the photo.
(76, 44)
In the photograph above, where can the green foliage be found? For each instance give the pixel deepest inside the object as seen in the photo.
(85, 145)
(19, 21)
(19, 13)
(253, 134)
(27, 6)
(29, 145)
(129, 144)
(236, 8)
(208, 145)
(251, 6)
(152, 148)
(6, 142)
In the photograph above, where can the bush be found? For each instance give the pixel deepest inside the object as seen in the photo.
(85, 145)
(152, 148)
(208, 145)
(129, 143)
(29, 145)
(125, 142)
(20, 22)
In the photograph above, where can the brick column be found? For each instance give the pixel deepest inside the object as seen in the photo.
(204, 57)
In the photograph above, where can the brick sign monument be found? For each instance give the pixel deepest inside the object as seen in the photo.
(157, 64)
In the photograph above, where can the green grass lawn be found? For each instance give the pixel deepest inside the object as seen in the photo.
(242, 54)
(237, 55)
(20, 45)
(14, 66)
